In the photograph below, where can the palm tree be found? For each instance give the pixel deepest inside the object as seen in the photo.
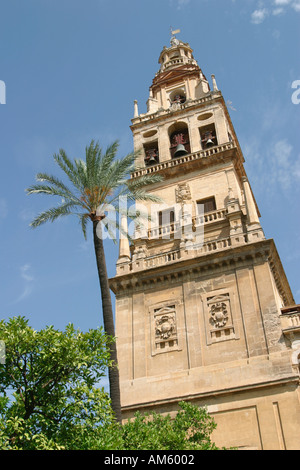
(98, 181)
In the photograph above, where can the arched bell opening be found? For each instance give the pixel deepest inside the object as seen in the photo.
(208, 136)
(177, 97)
(179, 140)
(151, 153)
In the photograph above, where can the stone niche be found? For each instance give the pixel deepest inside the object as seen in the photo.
(220, 322)
(164, 328)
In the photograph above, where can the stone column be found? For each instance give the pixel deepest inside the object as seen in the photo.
(124, 249)
(234, 216)
(254, 229)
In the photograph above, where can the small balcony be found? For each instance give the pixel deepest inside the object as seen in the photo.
(290, 320)
(191, 157)
(173, 256)
(174, 227)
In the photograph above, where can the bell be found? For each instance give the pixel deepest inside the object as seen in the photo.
(180, 151)
(209, 143)
(152, 160)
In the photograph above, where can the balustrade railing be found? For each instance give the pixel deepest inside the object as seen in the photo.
(186, 104)
(172, 256)
(183, 159)
(165, 231)
(290, 319)
(161, 259)
(212, 216)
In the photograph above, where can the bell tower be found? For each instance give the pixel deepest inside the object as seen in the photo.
(204, 311)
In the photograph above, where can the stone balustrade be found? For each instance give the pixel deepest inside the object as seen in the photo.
(183, 159)
(173, 256)
(290, 319)
(162, 259)
(212, 216)
(187, 104)
(168, 230)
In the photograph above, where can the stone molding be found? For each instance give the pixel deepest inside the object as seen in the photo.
(229, 258)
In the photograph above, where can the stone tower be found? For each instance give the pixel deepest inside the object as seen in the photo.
(204, 311)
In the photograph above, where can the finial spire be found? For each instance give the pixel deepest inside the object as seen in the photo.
(136, 110)
(174, 41)
(214, 82)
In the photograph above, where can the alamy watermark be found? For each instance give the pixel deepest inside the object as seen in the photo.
(2, 92)
(296, 94)
(181, 221)
(2, 352)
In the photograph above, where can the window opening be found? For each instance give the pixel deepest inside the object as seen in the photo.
(180, 143)
(151, 154)
(209, 204)
(166, 217)
(208, 136)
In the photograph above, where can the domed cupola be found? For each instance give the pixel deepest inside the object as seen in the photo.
(179, 78)
(177, 55)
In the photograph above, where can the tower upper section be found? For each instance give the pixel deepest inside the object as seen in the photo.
(184, 114)
(179, 78)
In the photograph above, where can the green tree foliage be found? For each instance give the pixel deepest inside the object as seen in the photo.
(190, 429)
(49, 397)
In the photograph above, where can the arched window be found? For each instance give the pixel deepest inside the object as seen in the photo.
(179, 140)
(177, 97)
(208, 136)
(151, 153)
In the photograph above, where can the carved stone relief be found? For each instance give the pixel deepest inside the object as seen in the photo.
(220, 318)
(164, 328)
(219, 314)
(183, 193)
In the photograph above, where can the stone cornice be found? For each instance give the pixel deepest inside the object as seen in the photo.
(286, 381)
(161, 114)
(217, 262)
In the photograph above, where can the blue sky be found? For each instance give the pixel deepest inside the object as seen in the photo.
(72, 70)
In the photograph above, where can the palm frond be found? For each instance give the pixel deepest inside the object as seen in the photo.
(92, 157)
(45, 189)
(109, 156)
(68, 168)
(119, 171)
(141, 195)
(99, 180)
(82, 173)
(83, 219)
(142, 181)
(59, 185)
(52, 214)
(53, 180)
(53, 190)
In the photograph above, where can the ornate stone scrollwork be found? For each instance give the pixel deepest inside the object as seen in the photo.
(183, 193)
(175, 106)
(219, 314)
(219, 319)
(165, 326)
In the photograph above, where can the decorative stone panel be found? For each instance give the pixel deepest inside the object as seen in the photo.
(164, 328)
(183, 193)
(220, 318)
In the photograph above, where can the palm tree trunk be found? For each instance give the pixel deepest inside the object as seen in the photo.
(113, 372)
